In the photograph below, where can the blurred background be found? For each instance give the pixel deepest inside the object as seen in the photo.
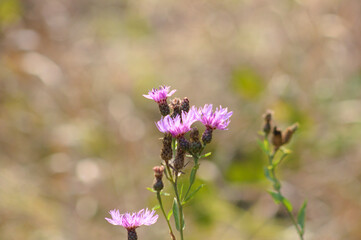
(78, 139)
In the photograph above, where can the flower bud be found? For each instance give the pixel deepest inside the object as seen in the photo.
(195, 144)
(166, 152)
(158, 174)
(194, 135)
(183, 143)
(267, 122)
(178, 163)
(207, 136)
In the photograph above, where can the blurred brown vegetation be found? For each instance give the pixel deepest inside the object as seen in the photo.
(78, 139)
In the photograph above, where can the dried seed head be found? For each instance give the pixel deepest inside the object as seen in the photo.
(287, 135)
(176, 106)
(163, 107)
(178, 163)
(276, 138)
(207, 136)
(268, 116)
(132, 234)
(185, 105)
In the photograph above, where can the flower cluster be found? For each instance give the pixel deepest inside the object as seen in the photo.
(180, 121)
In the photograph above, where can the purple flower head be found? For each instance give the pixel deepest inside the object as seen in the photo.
(219, 119)
(178, 126)
(134, 220)
(159, 95)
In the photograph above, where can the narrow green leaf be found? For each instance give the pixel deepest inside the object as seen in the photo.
(286, 150)
(206, 155)
(151, 190)
(181, 191)
(176, 214)
(156, 207)
(287, 204)
(263, 146)
(301, 216)
(261, 133)
(276, 197)
(161, 193)
(192, 176)
(266, 145)
(279, 159)
(191, 195)
(170, 213)
(268, 174)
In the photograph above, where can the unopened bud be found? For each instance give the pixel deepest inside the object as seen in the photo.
(287, 135)
(195, 147)
(158, 182)
(277, 138)
(194, 135)
(179, 159)
(185, 105)
(166, 152)
(195, 144)
(183, 143)
(207, 136)
(267, 122)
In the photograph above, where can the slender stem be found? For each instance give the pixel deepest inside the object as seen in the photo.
(165, 215)
(181, 220)
(277, 188)
(196, 166)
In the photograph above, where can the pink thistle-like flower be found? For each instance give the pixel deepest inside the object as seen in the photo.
(160, 95)
(178, 125)
(133, 220)
(219, 119)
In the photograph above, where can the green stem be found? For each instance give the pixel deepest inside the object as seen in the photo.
(196, 166)
(277, 188)
(181, 220)
(165, 215)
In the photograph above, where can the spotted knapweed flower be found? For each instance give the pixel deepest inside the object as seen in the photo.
(219, 119)
(131, 221)
(179, 125)
(160, 96)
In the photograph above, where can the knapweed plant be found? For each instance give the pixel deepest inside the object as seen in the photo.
(176, 121)
(276, 153)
